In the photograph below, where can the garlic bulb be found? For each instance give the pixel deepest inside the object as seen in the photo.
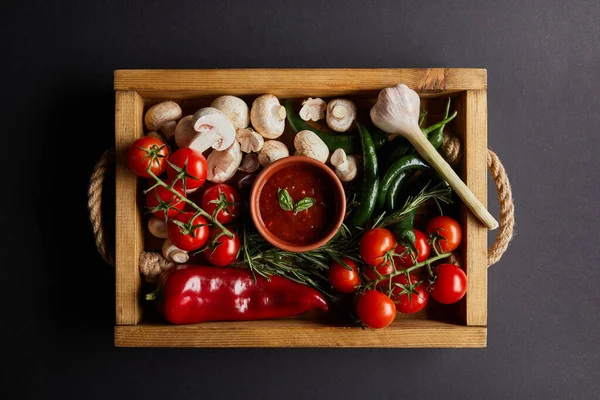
(397, 110)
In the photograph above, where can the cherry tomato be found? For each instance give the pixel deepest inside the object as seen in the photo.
(383, 269)
(418, 297)
(190, 165)
(375, 309)
(147, 151)
(422, 247)
(375, 244)
(342, 279)
(450, 284)
(449, 233)
(160, 200)
(225, 249)
(223, 197)
(186, 233)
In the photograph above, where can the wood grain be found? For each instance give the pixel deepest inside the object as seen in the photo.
(475, 176)
(185, 84)
(129, 238)
(300, 333)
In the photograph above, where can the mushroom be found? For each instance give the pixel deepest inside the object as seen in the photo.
(222, 165)
(268, 116)
(158, 227)
(235, 109)
(345, 166)
(174, 253)
(156, 135)
(272, 151)
(213, 130)
(250, 141)
(184, 132)
(313, 109)
(340, 114)
(249, 163)
(308, 144)
(163, 116)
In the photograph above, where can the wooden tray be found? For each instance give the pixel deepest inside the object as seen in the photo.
(463, 325)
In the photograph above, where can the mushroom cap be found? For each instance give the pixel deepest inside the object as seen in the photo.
(235, 109)
(184, 131)
(272, 151)
(313, 109)
(308, 144)
(222, 165)
(268, 116)
(214, 130)
(249, 163)
(340, 114)
(161, 113)
(250, 141)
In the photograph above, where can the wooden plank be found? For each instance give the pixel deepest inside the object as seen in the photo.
(475, 176)
(301, 333)
(183, 84)
(129, 237)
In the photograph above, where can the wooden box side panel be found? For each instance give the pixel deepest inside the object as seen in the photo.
(129, 235)
(184, 84)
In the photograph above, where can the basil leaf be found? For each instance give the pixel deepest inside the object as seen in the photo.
(304, 204)
(285, 200)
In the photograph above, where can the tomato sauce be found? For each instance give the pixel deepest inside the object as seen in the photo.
(305, 226)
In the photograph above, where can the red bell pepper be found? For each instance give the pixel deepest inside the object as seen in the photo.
(190, 294)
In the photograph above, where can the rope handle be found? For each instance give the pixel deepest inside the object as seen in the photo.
(450, 150)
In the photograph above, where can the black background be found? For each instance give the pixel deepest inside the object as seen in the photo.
(57, 107)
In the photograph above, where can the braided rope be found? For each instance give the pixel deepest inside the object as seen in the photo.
(106, 161)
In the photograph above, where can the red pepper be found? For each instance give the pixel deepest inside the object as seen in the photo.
(190, 294)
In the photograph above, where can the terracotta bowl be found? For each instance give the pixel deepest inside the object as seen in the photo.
(335, 221)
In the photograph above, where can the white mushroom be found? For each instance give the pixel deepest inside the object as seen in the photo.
(174, 253)
(268, 116)
(235, 109)
(213, 130)
(345, 166)
(340, 114)
(158, 227)
(250, 141)
(222, 165)
(272, 151)
(163, 116)
(308, 144)
(156, 135)
(184, 132)
(249, 163)
(313, 109)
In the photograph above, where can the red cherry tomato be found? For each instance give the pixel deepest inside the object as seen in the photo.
(450, 284)
(418, 294)
(342, 279)
(422, 247)
(160, 200)
(375, 309)
(145, 152)
(186, 233)
(225, 198)
(225, 249)
(375, 244)
(448, 232)
(189, 165)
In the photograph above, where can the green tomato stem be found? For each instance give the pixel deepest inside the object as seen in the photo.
(409, 270)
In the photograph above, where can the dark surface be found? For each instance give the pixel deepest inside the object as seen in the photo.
(543, 72)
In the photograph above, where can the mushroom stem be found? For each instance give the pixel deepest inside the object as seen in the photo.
(174, 253)
(345, 166)
(279, 111)
(339, 112)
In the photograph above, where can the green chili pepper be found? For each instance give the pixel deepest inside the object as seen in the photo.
(351, 144)
(370, 180)
(404, 163)
(392, 195)
(437, 136)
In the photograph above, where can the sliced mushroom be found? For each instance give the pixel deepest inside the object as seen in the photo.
(235, 109)
(313, 109)
(250, 141)
(184, 132)
(158, 227)
(249, 163)
(345, 166)
(222, 165)
(213, 130)
(340, 114)
(163, 116)
(272, 151)
(308, 144)
(174, 253)
(268, 116)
